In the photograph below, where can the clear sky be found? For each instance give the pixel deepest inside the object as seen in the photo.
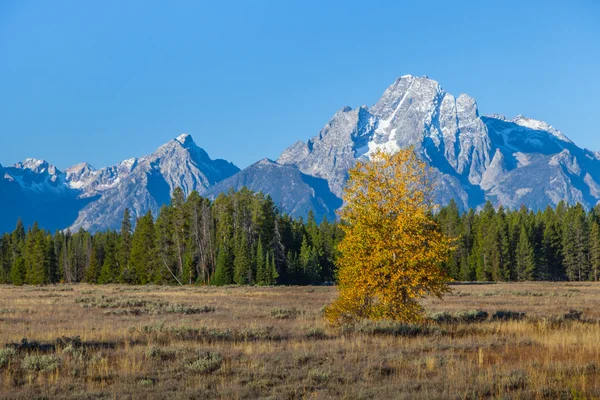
(102, 81)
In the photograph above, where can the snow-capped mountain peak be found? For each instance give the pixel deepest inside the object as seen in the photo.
(185, 139)
(475, 158)
(79, 175)
(538, 125)
(37, 166)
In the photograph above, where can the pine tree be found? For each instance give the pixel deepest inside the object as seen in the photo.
(166, 248)
(241, 263)
(575, 244)
(551, 258)
(262, 266)
(109, 273)
(525, 259)
(291, 268)
(36, 260)
(18, 272)
(485, 245)
(179, 229)
(5, 259)
(224, 269)
(594, 250)
(450, 224)
(52, 260)
(466, 248)
(306, 259)
(125, 248)
(93, 272)
(142, 259)
(273, 275)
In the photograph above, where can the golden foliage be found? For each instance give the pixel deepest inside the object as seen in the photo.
(392, 249)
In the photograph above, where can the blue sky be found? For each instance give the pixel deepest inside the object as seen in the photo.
(102, 81)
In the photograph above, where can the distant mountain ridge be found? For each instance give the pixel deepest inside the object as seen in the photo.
(511, 162)
(96, 199)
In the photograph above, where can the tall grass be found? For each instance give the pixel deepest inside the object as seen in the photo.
(537, 340)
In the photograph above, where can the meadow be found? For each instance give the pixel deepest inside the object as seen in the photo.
(528, 340)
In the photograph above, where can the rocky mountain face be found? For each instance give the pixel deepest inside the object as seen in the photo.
(476, 158)
(293, 191)
(511, 162)
(82, 197)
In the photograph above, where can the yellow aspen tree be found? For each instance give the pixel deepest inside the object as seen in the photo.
(391, 254)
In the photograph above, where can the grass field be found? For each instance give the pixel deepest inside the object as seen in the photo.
(534, 340)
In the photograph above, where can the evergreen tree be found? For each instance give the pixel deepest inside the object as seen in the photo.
(594, 250)
(5, 259)
(262, 266)
(109, 273)
(125, 248)
(291, 268)
(36, 257)
(450, 224)
(93, 272)
(272, 274)
(241, 263)
(575, 242)
(525, 259)
(141, 260)
(551, 258)
(466, 248)
(179, 229)
(224, 269)
(52, 260)
(170, 265)
(18, 272)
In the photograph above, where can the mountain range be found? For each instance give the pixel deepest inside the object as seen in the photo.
(510, 162)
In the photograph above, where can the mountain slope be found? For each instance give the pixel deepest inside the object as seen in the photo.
(82, 197)
(291, 190)
(510, 162)
(147, 183)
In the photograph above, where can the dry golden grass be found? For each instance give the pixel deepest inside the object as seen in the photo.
(162, 342)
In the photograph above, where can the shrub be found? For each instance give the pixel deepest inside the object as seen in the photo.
(206, 363)
(318, 376)
(316, 334)
(460, 316)
(45, 363)
(73, 352)
(573, 315)
(6, 356)
(303, 358)
(158, 327)
(516, 380)
(265, 333)
(183, 309)
(472, 316)
(441, 317)
(285, 313)
(502, 315)
(394, 329)
(161, 354)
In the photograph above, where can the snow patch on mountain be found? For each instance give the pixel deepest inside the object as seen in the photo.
(540, 126)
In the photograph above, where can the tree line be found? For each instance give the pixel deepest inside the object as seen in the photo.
(242, 238)
(561, 243)
(239, 238)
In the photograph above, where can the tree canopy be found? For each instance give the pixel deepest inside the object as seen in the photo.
(393, 249)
